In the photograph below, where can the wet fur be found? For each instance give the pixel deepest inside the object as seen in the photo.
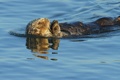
(43, 27)
(78, 28)
(39, 27)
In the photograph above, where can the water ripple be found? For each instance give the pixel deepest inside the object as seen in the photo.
(96, 57)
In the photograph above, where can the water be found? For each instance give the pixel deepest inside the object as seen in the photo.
(75, 59)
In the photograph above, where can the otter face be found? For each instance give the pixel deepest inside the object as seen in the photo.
(39, 27)
(55, 29)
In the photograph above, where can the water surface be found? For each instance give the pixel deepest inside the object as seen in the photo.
(69, 59)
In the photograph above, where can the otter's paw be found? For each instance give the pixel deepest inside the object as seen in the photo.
(117, 20)
(55, 29)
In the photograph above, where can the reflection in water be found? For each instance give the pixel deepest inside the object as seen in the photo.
(42, 45)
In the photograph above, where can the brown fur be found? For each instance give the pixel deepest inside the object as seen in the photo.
(40, 27)
(105, 22)
(117, 20)
(43, 27)
(55, 29)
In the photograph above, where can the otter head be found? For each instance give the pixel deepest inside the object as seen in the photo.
(55, 29)
(40, 27)
(117, 20)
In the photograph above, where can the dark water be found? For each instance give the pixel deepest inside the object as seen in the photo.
(75, 59)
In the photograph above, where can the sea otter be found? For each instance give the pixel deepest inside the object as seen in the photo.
(43, 27)
(78, 28)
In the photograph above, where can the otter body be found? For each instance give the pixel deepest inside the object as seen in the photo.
(99, 26)
(43, 27)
